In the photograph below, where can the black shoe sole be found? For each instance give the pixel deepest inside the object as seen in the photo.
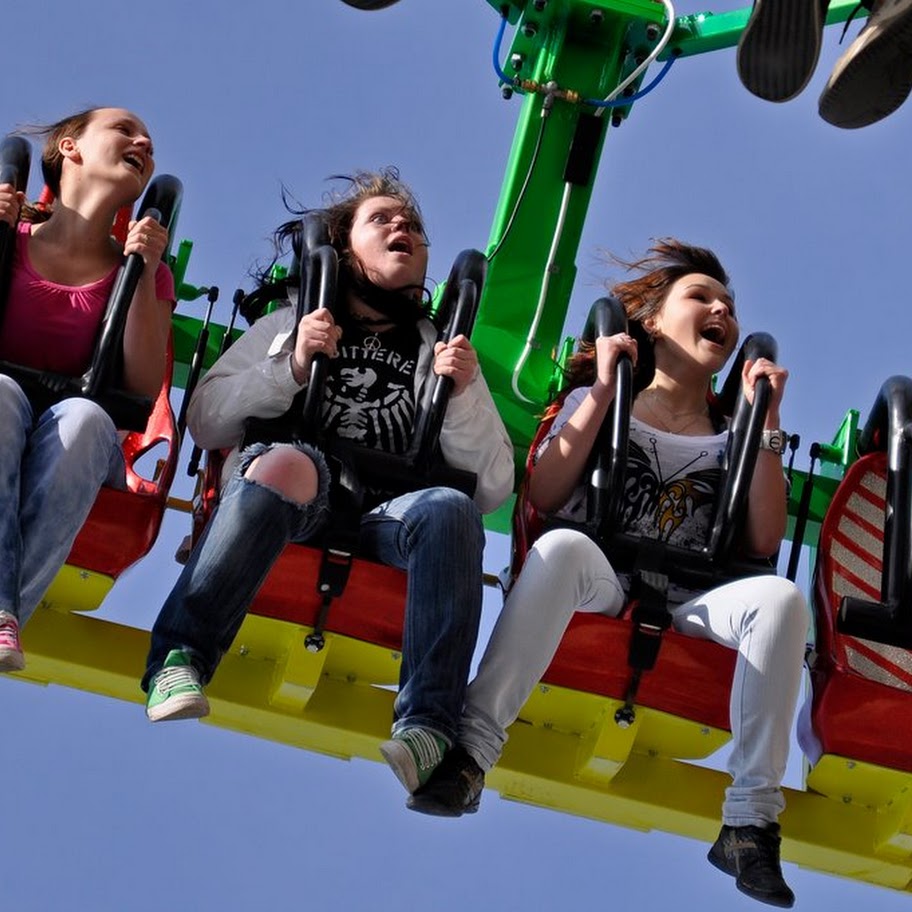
(424, 804)
(784, 903)
(779, 47)
(874, 80)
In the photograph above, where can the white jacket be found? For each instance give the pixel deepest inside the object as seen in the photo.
(253, 379)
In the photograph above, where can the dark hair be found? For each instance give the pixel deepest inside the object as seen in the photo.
(51, 160)
(339, 213)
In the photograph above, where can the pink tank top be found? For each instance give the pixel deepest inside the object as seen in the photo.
(52, 327)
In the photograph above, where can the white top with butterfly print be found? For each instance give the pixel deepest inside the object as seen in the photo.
(672, 481)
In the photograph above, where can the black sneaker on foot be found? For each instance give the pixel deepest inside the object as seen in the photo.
(453, 789)
(751, 855)
(779, 47)
(873, 77)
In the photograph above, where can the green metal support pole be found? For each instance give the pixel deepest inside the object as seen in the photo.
(563, 52)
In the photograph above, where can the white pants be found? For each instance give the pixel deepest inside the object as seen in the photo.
(764, 618)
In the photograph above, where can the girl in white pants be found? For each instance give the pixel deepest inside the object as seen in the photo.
(683, 312)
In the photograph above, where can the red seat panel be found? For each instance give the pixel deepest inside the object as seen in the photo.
(692, 678)
(861, 689)
(123, 525)
(371, 608)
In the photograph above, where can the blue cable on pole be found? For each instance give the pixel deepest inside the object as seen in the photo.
(497, 45)
(623, 102)
(594, 102)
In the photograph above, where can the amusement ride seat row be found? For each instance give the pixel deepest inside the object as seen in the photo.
(624, 702)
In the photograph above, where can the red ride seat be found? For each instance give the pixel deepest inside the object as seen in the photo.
(613, 657)
(371, 608)
(691, 679)
(368, 600)
(124, 524)
(862, 690)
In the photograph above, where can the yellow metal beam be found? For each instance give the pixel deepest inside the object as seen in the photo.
(565, 753)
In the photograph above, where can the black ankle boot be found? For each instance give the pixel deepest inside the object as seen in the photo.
(453, 789)
(751, 855)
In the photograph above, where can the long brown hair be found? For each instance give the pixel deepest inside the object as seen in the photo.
(642, 297)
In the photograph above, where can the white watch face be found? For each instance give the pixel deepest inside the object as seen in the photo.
(775, 441)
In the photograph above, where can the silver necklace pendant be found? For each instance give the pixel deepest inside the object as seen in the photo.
(371, 343)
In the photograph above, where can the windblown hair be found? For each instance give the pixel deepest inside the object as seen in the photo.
(51, 159)
(339, 213)
(643, 297)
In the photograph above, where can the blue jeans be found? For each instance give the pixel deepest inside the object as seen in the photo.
(436, 535)
(50, 472)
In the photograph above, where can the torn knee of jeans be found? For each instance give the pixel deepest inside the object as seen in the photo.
(320, 499)
(285, 498)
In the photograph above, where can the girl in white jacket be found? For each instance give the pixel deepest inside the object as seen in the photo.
(383, 351)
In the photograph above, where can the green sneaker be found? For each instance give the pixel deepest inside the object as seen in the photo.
(175, 692)
(413, 755)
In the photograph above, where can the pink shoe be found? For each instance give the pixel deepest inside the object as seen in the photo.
(11, 657)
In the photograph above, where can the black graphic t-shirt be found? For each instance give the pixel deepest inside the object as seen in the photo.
(370, 389)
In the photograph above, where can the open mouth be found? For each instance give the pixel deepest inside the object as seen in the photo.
(400, 246)
(135, 161)
(714, 333)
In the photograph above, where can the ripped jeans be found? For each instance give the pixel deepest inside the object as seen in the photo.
(51, 468)
(436, 535)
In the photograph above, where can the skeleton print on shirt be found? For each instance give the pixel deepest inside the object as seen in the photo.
(370, 398)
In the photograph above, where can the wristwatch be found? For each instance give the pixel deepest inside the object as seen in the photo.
(774, 440)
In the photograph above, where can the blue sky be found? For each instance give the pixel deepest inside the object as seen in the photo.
(104, 812)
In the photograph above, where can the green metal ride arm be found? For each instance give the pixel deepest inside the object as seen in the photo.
(563, 52)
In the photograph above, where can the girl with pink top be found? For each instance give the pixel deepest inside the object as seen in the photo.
(53, 463)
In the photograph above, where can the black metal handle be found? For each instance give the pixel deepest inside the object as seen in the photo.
(744, 443)
(458, 309)
(196, 454)
(317, 265)
(15, 159)
(607, 317)
(889, 427)
(318, 288)
(161, 202)
(196, 361)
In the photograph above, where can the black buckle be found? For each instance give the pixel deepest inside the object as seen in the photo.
(650, 620)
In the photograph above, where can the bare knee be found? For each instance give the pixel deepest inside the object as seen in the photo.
(286, 471)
